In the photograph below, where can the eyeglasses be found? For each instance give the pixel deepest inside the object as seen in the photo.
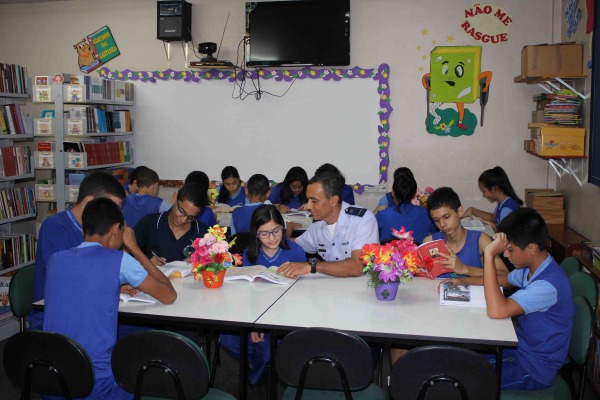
(181, 213)
(265, 234)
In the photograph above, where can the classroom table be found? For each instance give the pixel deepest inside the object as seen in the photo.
(415, 317)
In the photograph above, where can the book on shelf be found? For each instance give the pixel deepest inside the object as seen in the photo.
(140, 297)
(16, 249)
(42, 126)
(257, 272)
(429, 254)
(73, 92)
(12, 121)
(179, 269)
(462, 295)
(76, 127)
(44, 159)
(42, 94)
(13, 79)
(71, 193)
(16, 202)
(16, 160)
(44, 192)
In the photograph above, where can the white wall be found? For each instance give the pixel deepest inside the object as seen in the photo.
(41, 36)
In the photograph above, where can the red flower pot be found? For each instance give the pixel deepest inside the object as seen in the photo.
(213, 279)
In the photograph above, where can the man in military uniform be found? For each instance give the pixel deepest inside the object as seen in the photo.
(339, 233)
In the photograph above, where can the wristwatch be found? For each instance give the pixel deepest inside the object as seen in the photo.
(313, 265)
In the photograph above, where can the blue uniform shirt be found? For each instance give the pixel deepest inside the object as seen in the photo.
(275, 198)
(136, 206)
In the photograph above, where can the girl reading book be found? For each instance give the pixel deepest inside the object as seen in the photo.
(268, 246)
(291, 193)
(496, 188)
(231, 192)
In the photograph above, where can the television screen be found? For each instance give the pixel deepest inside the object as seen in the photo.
(310, 32)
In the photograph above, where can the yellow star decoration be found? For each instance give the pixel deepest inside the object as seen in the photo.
(450, 38)
(425, 57)
(424, 32)
(434, 42)
(420, 69)
(418, 48)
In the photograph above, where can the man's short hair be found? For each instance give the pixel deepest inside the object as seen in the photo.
(194, 193)
(99, 215)
(443, 197)
(332, 184)
(134, 174)
(258, 185)
(327, 167)
(524, 226)
(198, 177)
(146, 178)
(100, 184)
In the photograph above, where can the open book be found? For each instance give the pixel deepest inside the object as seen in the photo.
(462, 295)
(179, 269)
(474, 224)
(429, 255)
(257, 271)
(224, 208)
(141, 297)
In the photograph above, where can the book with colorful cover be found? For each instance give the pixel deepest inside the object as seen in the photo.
(429, 254)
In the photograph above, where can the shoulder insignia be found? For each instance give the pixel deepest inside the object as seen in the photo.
(356, 211)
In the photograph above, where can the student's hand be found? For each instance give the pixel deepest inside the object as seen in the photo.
(468, 213)
(283, 208)
(379, 208)
(257, 337)
(158, 261)
(497, 246)
(128, 289)
(129, 239)
(453, 262)
(294, 269)
(453, 281)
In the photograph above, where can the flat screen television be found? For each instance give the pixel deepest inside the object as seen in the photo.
(309, 32)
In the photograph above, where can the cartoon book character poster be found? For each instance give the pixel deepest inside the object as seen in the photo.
(455, 77)
(96, 49)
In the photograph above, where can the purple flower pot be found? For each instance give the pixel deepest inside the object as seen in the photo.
(386, 291)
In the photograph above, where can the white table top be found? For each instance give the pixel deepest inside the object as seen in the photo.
(348, 304)
(237, 303)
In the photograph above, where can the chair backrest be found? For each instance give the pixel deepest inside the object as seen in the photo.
(20, 292)
(570, 265)
(321, 358)
(161, 364)
(584, 284)
(443, 372)
(582, 330)
(48, 363)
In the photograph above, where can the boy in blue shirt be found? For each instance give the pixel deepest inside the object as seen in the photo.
(83, 285)
(543, 303)
(257, 191)
(146, 200)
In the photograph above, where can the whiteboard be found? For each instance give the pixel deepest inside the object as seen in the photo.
(183, 126)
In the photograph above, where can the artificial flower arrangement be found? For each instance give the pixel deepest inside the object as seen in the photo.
(211, 252)
(393, 261)
(421, 196)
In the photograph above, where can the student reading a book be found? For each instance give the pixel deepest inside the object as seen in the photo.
(268, 247)
(543, 302)
(231, 192)
(339, 233)
(146, 200)
(83, 285)
(387, 200)
(291, 193)
(257, 192)
(413, 218)
(496, 188)
(347, 192)
(465, 246)
(63, 231)
(132, 187)
(207, 216)
(167, 236)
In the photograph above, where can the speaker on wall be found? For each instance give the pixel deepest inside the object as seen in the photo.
(174, 21)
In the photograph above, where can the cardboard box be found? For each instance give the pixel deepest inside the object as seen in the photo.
(543, 198)
(558, 141)
(552, 215)
(562, 60)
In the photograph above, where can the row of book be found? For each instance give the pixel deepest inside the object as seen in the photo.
(96, 88)
(16, 249)
(45, 189)
(16, 202)
(11, 120)
(13, 79)
(83, 154)
(85, 119)
(15, 161)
